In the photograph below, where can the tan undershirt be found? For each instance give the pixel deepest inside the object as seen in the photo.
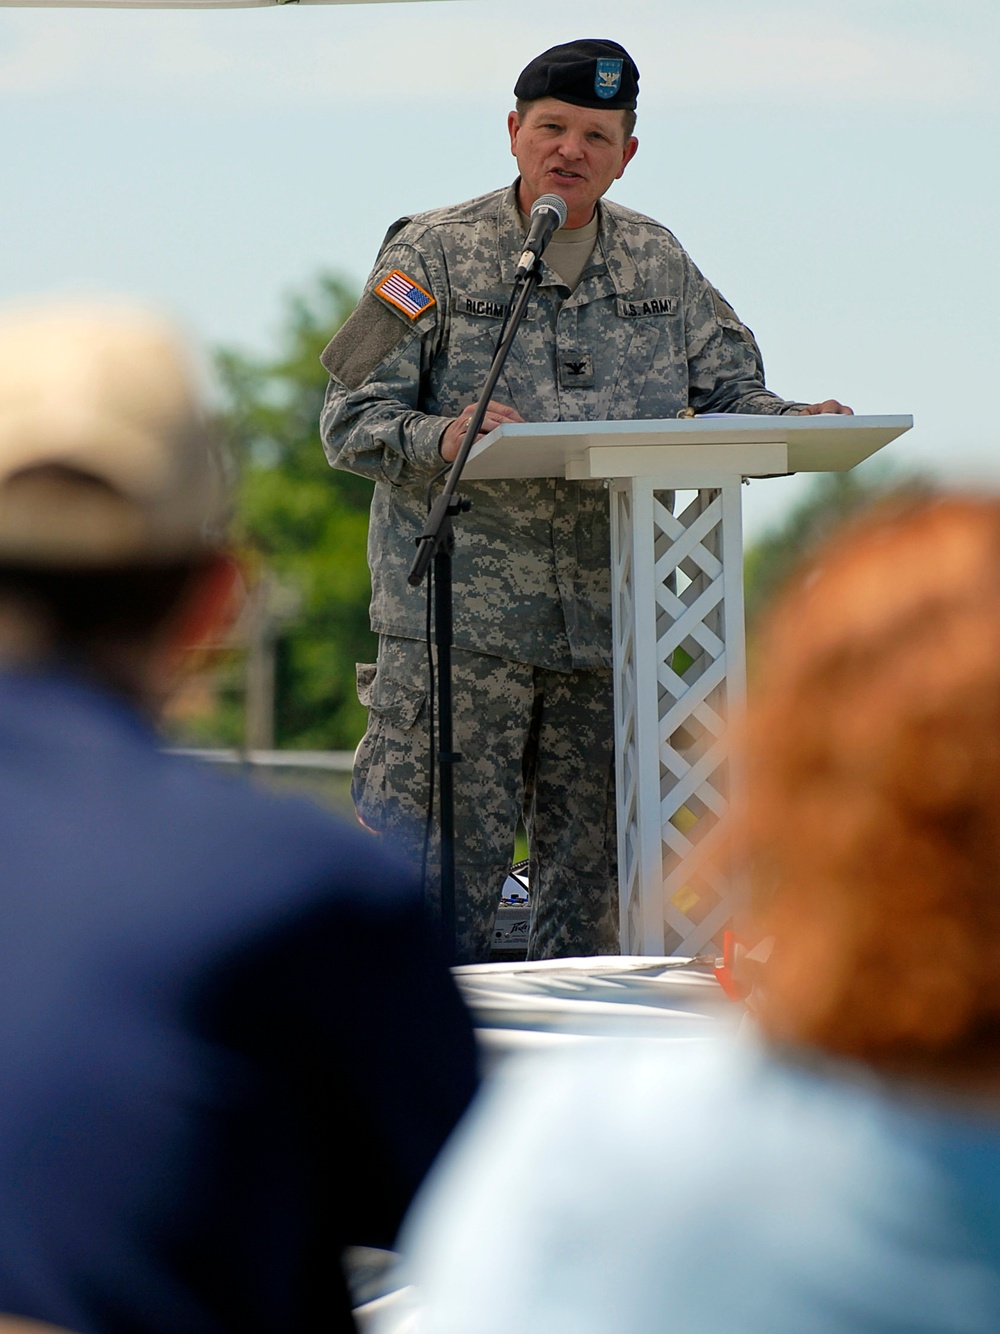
(569, 250)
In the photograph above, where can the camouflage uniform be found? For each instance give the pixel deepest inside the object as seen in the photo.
(643, 335)
(503, 710)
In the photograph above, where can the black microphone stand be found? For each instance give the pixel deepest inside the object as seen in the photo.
(437, 541)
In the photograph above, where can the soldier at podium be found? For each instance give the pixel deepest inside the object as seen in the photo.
(622, 326)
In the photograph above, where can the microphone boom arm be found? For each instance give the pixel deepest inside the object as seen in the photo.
(436, 543)
(427, 541)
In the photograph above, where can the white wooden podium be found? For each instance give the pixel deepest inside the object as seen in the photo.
(678, 632)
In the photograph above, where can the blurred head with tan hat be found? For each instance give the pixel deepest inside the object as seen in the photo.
(99, 411)
(111, 497)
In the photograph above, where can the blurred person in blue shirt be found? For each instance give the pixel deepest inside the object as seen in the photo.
(839, 1173)
(228, 1045)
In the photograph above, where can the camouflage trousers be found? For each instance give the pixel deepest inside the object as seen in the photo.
(535, 743)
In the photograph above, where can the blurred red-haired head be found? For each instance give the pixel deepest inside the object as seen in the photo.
(874, 779)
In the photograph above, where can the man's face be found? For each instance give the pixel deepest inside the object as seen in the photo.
(571, 151)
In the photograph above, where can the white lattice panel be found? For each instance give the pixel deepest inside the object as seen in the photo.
(680, 674)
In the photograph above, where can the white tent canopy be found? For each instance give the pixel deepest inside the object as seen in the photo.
(179, 4)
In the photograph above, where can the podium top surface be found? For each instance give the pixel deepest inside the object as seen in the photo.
(827, 443)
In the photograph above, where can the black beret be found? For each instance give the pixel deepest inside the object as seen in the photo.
(588, 73)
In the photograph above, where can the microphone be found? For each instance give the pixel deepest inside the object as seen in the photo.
(548, 214)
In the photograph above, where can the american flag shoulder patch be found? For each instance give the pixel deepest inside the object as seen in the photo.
(403, 293)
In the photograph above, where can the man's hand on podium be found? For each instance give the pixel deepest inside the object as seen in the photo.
(828, 405)
(453, 435)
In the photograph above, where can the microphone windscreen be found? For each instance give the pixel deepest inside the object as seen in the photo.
(554, 202)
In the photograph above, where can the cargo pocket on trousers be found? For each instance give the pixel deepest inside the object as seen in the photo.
(364, 675)
(391, 758)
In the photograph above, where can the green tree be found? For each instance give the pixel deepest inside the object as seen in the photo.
(306, 522)
(832, 497)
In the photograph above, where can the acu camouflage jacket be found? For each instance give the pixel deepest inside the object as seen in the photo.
(643, 335)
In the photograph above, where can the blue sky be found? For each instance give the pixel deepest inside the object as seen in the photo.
(832, 167)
